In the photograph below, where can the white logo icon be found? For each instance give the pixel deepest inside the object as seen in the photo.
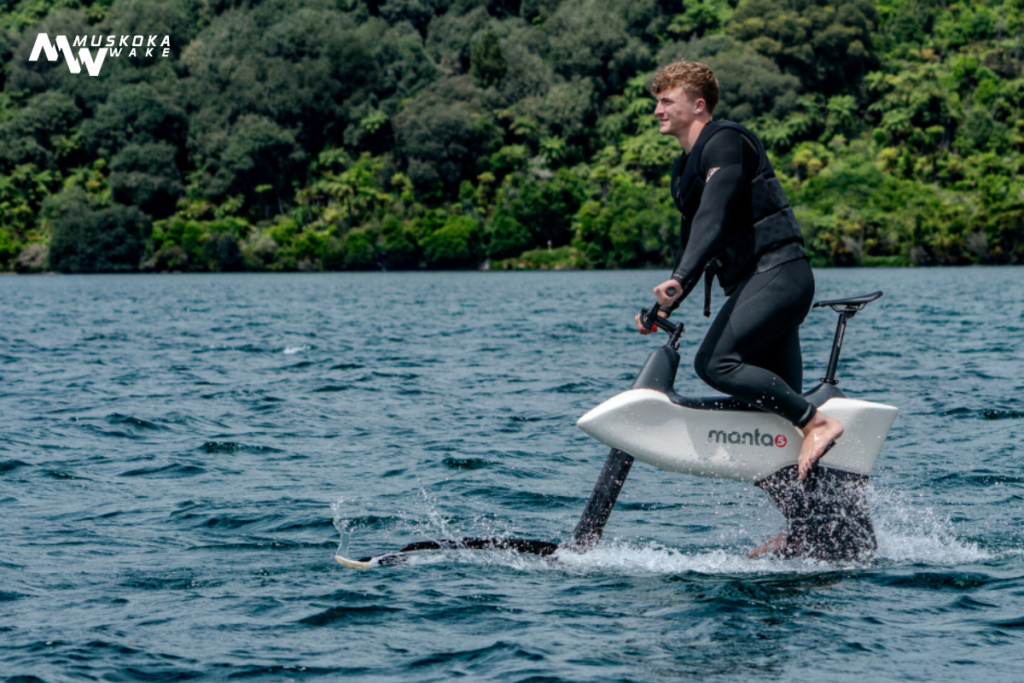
(113, 45)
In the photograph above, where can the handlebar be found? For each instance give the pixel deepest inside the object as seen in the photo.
(651, 321)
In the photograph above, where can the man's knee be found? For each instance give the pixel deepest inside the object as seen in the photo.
(716, 371)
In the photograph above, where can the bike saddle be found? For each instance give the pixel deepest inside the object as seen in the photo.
(854, 302)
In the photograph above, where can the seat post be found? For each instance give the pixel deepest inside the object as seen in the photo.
(846, 308)
(837, 346)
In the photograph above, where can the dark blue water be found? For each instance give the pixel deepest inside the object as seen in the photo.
(182, 456)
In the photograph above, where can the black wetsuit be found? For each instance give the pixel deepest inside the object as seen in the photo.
(752, 350)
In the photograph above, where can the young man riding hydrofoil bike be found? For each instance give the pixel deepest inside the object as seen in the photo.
(737, 225)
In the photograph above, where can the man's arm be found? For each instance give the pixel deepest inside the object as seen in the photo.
(728, 159)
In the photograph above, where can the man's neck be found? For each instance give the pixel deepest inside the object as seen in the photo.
(689, 137)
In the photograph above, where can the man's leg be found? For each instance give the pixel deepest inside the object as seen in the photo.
(752, 350)
(732, 357)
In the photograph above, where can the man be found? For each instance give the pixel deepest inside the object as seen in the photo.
(737, 225)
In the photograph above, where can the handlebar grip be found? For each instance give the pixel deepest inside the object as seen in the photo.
(649, 318)
(671, 291)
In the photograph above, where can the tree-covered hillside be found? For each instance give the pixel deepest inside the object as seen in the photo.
(352, 134)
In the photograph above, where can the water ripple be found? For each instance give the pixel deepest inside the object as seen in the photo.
(182, 457)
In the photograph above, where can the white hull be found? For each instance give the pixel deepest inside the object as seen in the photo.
(731, 444)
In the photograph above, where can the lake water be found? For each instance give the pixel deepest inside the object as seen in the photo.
(182, 455)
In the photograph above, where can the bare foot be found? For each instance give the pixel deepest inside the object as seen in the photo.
(819, 434)
(776, 545)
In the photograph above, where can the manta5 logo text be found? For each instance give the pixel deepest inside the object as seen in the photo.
(754, 438)
(133, 46)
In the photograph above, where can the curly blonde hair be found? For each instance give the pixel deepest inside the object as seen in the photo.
(696, 79)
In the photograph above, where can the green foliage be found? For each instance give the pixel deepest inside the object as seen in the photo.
(436, 135)
(313, 134)
(566, 110)
(826, 43)
(181, 244)
(590, 39)
(399, 250)
(9, 248)
(146, 176)
(260, 160)
(488, 61)
(23, 191)
(700, 17)
(360, 248)
(37, 133)
(853, 212)
(563, 258)
(42, 75)
(453, 245)
(134, 114)
(637, 225)
(353, 194)
(543, 208)
(506, 236)
(88, 239)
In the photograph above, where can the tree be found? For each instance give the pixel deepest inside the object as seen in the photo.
(88, 239)
(506, 237)
(488, 63)
(260, 160)
(222, 252)
(23, 190)
(146, 176)
(438, 141)
(636, 226)
(526, 74)
(360, 246)
(137, 114)
(398, 245)
(566, 111)
(826, 43)
(700, 17)
(309, 70)
(9, 248)
(6, 53)
(544, 207)
(454, 244)
(34, 134)
(590, 39)
(416, 12)
(912, 98)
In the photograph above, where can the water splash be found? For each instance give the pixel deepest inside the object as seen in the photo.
(909, 534)
(654, 558)
(343, 525)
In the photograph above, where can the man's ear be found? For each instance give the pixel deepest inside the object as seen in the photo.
(700, 106)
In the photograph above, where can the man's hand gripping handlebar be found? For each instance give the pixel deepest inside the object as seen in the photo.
(651, 319)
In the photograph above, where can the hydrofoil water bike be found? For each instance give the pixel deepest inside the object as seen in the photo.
(826, 514)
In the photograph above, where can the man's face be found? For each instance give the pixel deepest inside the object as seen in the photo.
(676, 111)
